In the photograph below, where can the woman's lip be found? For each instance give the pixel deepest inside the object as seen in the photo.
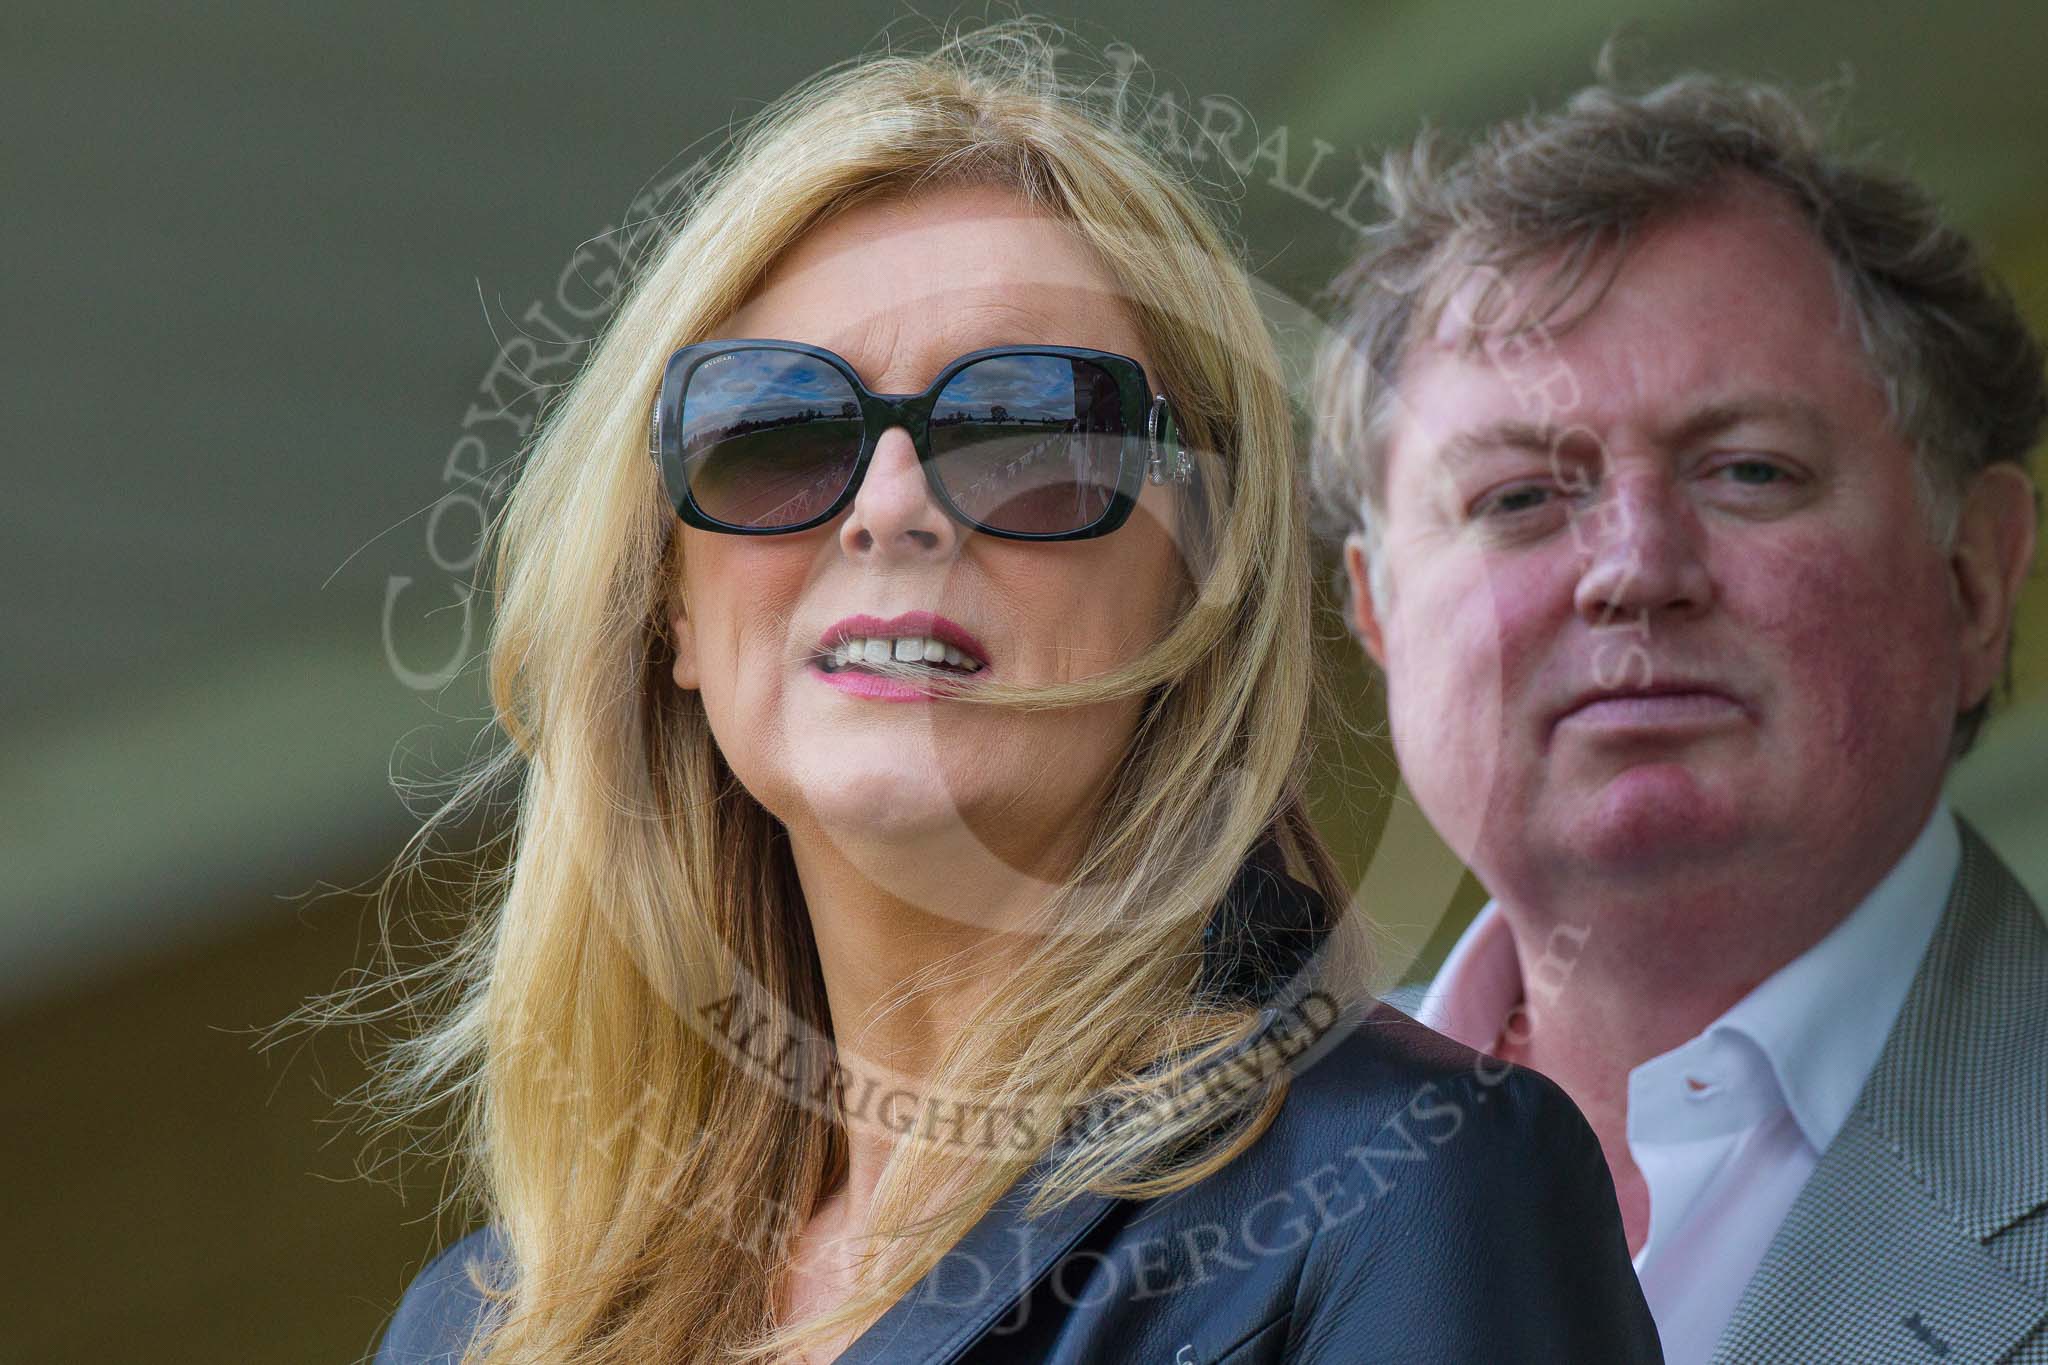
(877, 686)
(909, 623)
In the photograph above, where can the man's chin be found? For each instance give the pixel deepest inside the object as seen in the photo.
(1652, 813)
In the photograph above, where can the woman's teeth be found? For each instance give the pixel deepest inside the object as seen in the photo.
(906, 649)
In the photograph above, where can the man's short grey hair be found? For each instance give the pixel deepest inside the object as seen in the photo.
(1569, 190)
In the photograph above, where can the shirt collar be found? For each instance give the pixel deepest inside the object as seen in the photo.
(1820, 1020)
(1480, 981)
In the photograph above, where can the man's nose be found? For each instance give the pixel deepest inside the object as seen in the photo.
(1644, 553)
(894, 514)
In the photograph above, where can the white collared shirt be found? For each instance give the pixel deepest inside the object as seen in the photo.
(1727, 1126)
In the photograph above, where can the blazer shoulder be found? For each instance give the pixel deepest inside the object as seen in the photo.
(443, 1308)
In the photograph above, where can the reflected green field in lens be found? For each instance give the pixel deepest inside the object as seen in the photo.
(778, 475)
(1038, 478)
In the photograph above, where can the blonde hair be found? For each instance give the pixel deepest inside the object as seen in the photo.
(595, 1122)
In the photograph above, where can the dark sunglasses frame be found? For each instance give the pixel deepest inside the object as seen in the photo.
(1153, 447)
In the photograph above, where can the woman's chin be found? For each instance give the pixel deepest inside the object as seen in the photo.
(908, 804)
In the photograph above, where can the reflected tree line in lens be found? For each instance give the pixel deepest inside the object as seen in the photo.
(743, 425)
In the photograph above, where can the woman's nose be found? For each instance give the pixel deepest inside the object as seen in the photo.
(894, 513)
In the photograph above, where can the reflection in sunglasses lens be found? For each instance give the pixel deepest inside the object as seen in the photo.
(1030, 443)
(769, 438)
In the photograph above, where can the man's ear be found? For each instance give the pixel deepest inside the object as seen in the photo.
(1365, 620)
(684, 636)
(1994, 548)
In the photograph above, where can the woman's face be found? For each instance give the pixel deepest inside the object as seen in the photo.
(900, 288)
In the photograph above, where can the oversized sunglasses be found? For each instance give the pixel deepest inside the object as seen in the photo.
(1025, 442)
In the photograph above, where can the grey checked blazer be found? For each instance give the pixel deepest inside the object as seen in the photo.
(1923, 1232)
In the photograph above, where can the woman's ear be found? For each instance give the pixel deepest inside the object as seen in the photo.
(684, 636)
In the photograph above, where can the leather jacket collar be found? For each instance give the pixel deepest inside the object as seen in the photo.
(1265, 931)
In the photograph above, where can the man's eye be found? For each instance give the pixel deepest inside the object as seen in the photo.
(1508, 501)
(1753, 472)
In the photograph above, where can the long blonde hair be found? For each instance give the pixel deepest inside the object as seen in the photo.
(602, 1130)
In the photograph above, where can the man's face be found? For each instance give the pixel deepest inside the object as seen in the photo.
(1661, 596)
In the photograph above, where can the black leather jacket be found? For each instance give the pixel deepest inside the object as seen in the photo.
(1412, 1202)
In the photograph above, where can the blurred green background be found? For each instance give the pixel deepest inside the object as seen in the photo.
(260, 264)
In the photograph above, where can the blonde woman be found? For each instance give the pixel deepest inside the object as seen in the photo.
(914, 946)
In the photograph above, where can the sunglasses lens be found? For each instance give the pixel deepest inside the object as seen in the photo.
(1030, 443)
(769, 438)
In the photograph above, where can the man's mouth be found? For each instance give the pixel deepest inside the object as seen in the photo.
(1680, 703)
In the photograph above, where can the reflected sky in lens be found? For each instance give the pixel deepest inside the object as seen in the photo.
(760, 386)
(1028, 388)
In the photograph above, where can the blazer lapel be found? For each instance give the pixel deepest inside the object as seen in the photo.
(1883, 1254)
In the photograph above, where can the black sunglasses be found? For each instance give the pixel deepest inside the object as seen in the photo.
(760, 438)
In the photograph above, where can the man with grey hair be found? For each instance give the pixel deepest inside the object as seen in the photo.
(1682, 470)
